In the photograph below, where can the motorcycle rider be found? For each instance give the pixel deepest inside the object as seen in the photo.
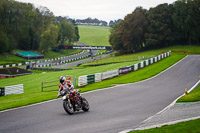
(66, 85)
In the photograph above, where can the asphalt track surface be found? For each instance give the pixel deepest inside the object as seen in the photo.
(112, 110)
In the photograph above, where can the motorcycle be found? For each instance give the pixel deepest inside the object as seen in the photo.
(73, 101)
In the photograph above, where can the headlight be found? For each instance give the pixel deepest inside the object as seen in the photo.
(64, 97)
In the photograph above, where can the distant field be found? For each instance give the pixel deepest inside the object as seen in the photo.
(94, 35)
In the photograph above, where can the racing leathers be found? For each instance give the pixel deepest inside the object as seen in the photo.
(66, 85)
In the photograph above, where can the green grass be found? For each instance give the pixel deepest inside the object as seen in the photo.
(183, 127)
(94, 35)
(12, 59)
(7, 58)
(52, 54)
(193, 96)
(32, 83)
(142, 74)
(126, 58)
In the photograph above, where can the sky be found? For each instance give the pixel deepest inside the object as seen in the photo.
(101, 9)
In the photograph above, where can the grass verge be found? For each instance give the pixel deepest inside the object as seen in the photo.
(142, 74)
(32, 83)
(193, 96)
(183, 127)
(12, 58)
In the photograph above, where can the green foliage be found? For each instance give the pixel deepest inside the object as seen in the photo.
(158, 27)
(186, 17)
(66, 32)
(159, 31)
(128, 37)
(4, 46)
(49, 38)
(31, 28)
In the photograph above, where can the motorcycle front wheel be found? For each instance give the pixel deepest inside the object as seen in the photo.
(68, 107)
(85, 105)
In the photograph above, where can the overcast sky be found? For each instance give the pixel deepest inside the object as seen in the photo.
(101, 9)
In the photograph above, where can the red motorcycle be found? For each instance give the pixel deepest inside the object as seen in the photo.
(73, 101)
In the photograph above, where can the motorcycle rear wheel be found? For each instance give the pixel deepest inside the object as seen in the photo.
(85, 105)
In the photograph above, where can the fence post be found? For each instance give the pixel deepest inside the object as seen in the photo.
(2, 91)
(42, 86)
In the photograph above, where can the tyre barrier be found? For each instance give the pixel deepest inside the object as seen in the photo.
(9, 90)
(49, 60)
(89, 79)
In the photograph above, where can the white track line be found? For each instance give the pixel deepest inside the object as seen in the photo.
(168, 123)
(168, 107)
(165, 109)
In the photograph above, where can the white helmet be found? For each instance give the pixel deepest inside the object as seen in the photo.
(62, 79)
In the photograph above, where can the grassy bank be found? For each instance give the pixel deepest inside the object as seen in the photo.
(193, 96)
(12, 59)
(32, 83)
(183, 127)
(94, 35)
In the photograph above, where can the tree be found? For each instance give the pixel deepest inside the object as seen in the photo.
(186, 19)
(115, 38)
(4, 46)
(66, 32)
(49, 38)
(160, 27)
(129, 37)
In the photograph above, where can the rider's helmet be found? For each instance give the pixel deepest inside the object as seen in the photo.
(62, 79)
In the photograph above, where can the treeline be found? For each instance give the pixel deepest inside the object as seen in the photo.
(162, 26)
(90, 21)
(114, 22)
(22, 26)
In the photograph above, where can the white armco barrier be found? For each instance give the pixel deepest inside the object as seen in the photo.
(147, 62)
(135, 67)
(97, 77)
(159, 57)
(14, 89)
(155, 59)
(151, 60)
(82, 80)
(110, 74)
(141, 64)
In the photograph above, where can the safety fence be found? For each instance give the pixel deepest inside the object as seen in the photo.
(50, 84)
(89, 79)
(48, 60)
(54, 85)
(9, 90)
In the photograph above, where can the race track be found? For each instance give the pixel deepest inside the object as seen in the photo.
(112, 110)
